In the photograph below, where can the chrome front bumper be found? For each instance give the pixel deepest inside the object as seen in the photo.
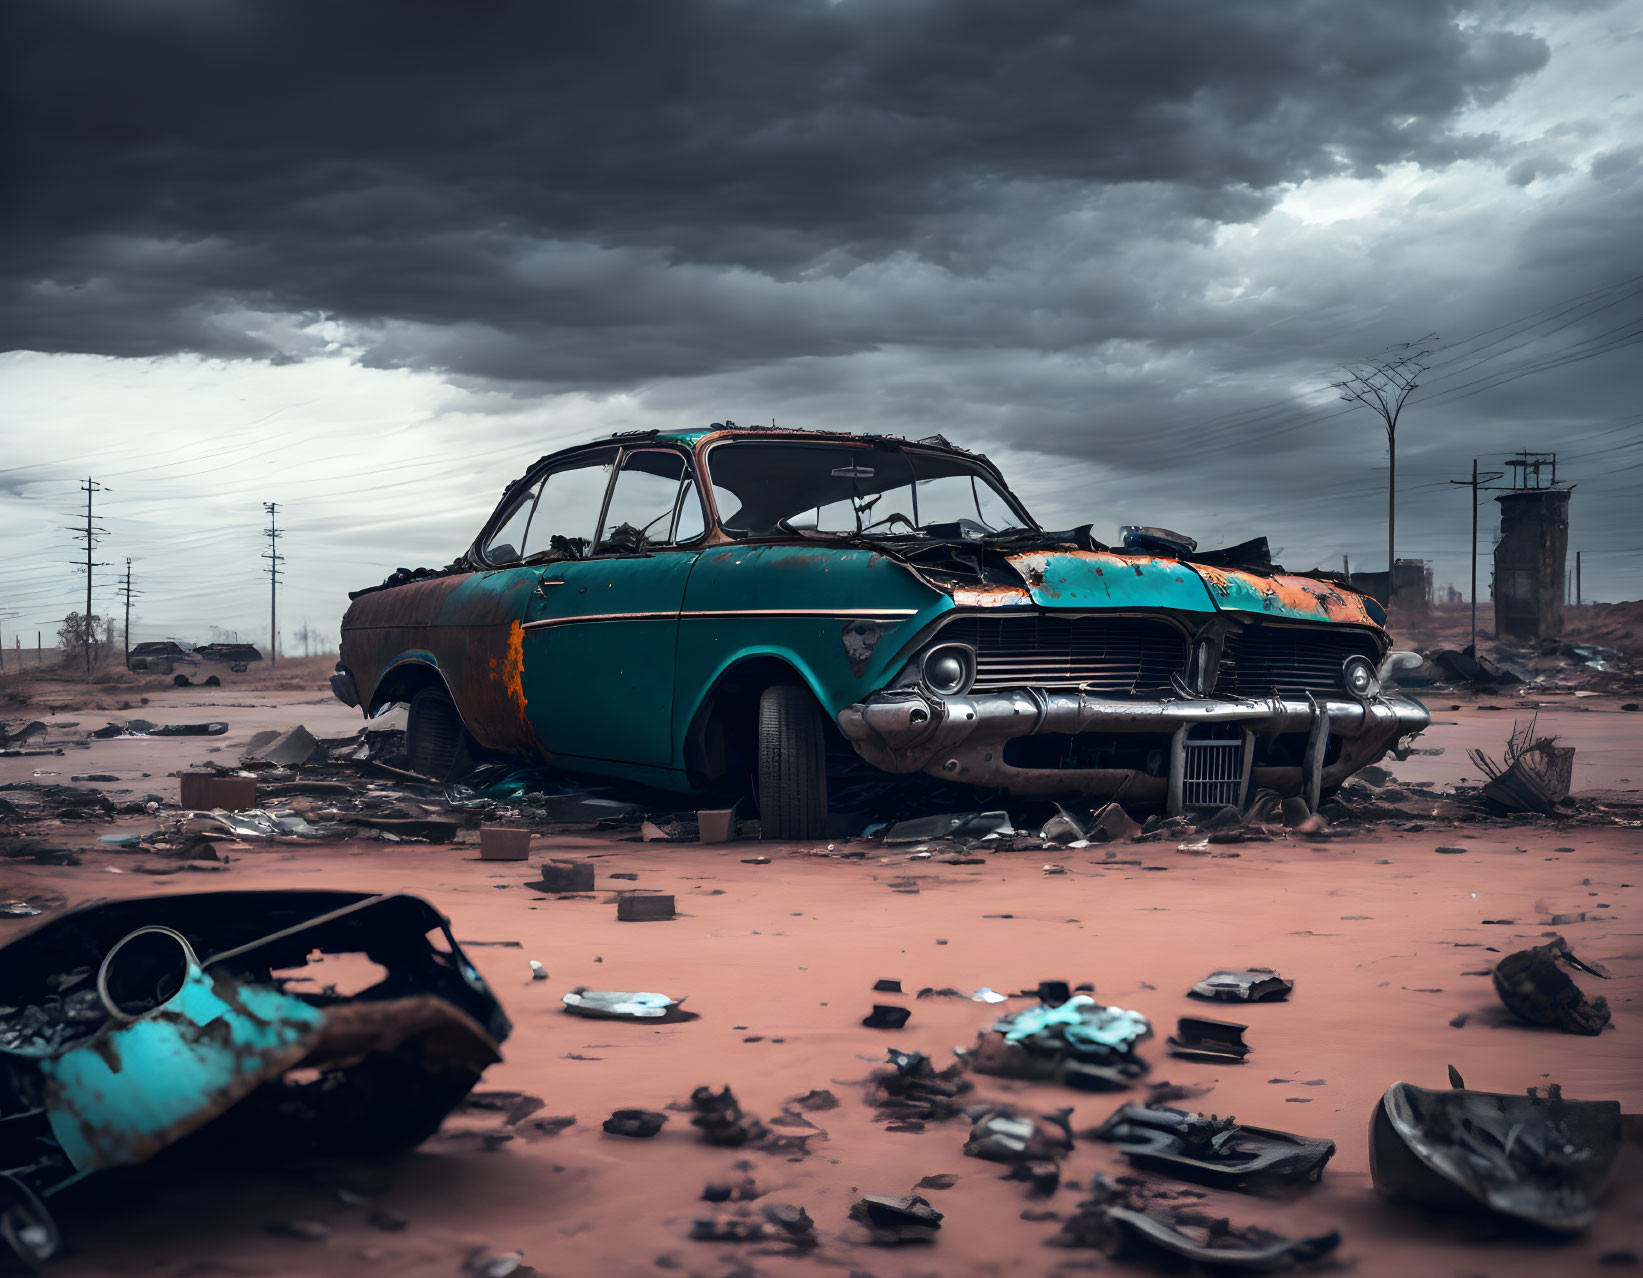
(962, 738)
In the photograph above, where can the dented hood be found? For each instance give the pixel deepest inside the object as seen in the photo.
(1104, 579)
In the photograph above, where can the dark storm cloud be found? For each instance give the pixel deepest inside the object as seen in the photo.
(589, 195)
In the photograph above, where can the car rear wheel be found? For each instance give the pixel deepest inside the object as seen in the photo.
(792, 764)
(436, 741)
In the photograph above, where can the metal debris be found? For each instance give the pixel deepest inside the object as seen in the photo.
(720, 1119)
(1121, 1223)
(776, 1222)
(616, 1005)
(1537, 774)
(144, 728)
(1199, 1039)
(1243, 985)
(130, 1025)
(1080, 1043)
(641, 1123)
(1210, 1150)
(1542, 1159)
(291, 748)
(1535, 988)
(893, 1220)
(913, 1092)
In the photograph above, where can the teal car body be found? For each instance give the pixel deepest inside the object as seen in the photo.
(629, 601)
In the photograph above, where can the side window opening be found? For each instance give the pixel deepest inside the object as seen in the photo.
(567, 510)
(654, 503)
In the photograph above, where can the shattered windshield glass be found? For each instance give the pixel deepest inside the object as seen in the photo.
(771, 487)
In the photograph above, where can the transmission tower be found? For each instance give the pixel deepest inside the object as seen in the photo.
(274, 558)
(89, 534)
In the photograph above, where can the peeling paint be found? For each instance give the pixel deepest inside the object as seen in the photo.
(1086, 578)
(991, 597)
(1283, 595)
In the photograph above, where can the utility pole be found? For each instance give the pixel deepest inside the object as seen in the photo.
(1383, 383)
(274, 558)
(126, 590)
(90, 533)
(1474, 483)
(1577, 579)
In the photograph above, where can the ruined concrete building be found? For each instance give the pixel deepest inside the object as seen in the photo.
(1529, 558)
(1411, 589)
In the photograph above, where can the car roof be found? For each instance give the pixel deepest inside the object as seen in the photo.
(690, 438)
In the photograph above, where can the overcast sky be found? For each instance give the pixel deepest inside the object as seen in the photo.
(368, 260)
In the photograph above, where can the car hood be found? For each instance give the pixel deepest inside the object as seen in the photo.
(1105, 579)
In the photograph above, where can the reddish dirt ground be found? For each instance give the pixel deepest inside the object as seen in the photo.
(1384, 938)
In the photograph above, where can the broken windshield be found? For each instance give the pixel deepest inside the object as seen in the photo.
(772, 487)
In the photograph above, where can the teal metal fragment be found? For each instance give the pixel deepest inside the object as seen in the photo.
(137, 1086)
(1083, 1022)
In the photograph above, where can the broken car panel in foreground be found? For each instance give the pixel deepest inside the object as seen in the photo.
(697, 610)
(130, 1026)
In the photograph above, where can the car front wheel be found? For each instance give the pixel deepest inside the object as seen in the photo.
(792, 764)
(436, 740)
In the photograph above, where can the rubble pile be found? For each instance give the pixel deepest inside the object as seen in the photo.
(1550, 666)
(912, 1092)
(1134, 1221)
(1076, 1041)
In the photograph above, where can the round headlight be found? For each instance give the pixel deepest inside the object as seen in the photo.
(1360, 677)
(950, 669)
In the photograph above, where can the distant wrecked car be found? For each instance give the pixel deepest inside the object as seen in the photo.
(163, 656)
(728, 609)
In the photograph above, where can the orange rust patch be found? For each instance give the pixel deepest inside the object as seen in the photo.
(1295, 594)
(512, 673)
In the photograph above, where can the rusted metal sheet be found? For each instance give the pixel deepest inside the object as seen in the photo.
(1283, 595)
(185, 1025)
(139, 1086)
(465, 627)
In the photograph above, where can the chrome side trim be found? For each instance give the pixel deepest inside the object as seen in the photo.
(875, 614)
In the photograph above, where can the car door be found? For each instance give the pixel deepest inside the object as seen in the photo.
(602, 624)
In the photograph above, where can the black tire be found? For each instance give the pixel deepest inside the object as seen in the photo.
(437, 743)
(792, 764)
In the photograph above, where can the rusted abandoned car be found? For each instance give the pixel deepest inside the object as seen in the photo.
(729, 610)
(160, 657)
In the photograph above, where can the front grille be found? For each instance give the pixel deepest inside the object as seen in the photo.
(1113, 655)
(1212, 773)
(1290, 660)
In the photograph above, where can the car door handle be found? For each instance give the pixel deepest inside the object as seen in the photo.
(542, 585)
